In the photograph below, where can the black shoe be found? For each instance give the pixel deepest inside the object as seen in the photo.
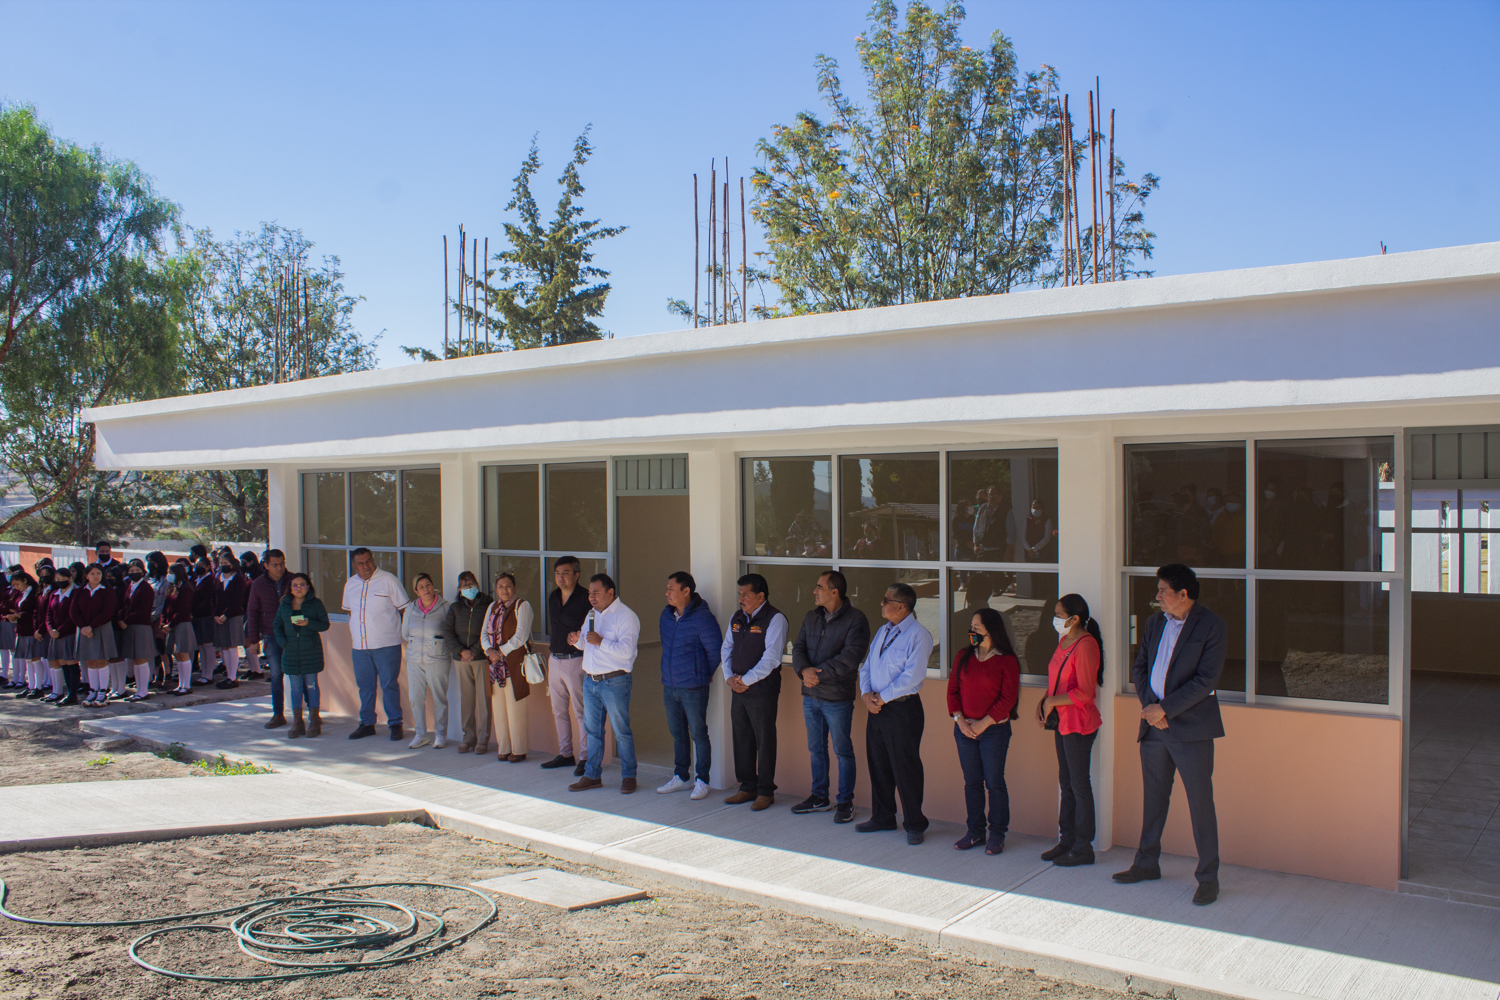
(843, 812)
(66, 702)
(559, 761)
(23, 694)
(277, 721)
(226, 685)
(396, 733)
(915, 837)
(578, 771)
(33, 694)
(1056, 852)
(812, 804)
(1075, 858)
(1207, 893)
(871, 826)
(1133, 874)
(362, 732)
(50, 698)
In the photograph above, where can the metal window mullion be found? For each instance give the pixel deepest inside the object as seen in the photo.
(836, 503)
(1252, 624)
(945, 608)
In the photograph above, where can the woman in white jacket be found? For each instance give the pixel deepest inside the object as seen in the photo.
(507, 630)
(424, 632)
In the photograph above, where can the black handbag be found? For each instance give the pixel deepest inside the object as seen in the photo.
(1052, 721)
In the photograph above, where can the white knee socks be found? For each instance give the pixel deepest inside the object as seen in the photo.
(59, 686)
(142, 678)
(207, 661)
(184, 675)
(231, 656)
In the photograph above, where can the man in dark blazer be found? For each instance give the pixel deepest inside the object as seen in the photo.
(1176, 672)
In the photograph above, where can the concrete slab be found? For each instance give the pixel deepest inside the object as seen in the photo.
(1270, 937)
(563, 890)
(96, 813)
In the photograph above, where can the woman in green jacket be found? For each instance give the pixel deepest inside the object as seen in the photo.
(299, 619)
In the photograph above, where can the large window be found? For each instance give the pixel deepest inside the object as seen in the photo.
(1453, 540)
(1302, 574)
(965, 529)
(397, 514)
(532, 514)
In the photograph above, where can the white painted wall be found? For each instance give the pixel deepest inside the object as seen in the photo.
(713, 525)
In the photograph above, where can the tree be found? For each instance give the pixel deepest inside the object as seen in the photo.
(948, 185)
(544, 289)
(84, 290)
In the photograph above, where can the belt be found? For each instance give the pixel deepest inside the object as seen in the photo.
(904, 697)
(609, 676)
(565, 656)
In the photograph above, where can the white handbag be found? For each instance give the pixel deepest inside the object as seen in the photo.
(531, 668)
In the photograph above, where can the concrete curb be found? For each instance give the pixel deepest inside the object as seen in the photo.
(378, 817)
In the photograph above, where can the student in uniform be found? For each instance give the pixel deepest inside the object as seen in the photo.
(119, 667)
(139, 647)
(62, 641)
(254, 569)
(93, 610)
(203, 619)
(25, 594)
(177, 620)
(45, 578)
(156, 574)
(231, 591)
(10, 669)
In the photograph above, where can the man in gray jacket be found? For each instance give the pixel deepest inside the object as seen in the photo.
(830, 646)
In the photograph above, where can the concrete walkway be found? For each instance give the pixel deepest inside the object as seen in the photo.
(1269, 936)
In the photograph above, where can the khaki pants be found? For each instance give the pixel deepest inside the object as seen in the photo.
(474, 699)
(565, 690)
(510, 721)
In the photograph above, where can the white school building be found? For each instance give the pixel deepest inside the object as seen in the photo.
(1320, 441)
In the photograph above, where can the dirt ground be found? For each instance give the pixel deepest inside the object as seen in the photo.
(679, 945)
(59, 751)
(19, 714)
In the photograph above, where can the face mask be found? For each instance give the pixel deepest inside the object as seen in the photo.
(1231, 507)
(136, 574)
(1061, 624)
(470, 592)
(226, 570)
(975, 639)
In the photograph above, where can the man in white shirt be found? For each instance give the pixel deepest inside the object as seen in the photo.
(374, 599)
(751, 656)
(889, 682)
(608, 639)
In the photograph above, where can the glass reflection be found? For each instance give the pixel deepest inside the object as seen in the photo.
(511, 507)
(787, 507)
(1434, 537)
(1324, 640)
(587, 568)
(1002, 506)
(790, 591)
(430, 563)
(1226, 598)
(422, 508)
(1319, 503)
(577, 508)
(890, 505)
(323, 508)
(528, 573)
(1186, 504)
(372, 501)
(328, 570)
(1024, 600)
(867, 585)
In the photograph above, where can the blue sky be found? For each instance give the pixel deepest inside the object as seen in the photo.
(1282, 131)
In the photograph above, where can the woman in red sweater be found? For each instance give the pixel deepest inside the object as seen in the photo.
(1073, 677)
(982, 692)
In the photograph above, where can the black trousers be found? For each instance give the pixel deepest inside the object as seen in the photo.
(1194, 760)
(753, 724)
(73, 677)
(893, 750)
(1075, 804)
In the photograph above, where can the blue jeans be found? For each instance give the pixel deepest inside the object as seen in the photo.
(383, 666)
(610, 696)
(687, 715)
(826, 719)
(271, 650)
(303, 686)
(983, 764)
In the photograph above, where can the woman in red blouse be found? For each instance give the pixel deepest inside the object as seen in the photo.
(1073, 677)
(982, 692)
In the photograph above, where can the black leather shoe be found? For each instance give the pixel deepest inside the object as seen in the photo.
(396, 732)
(227, 685)
(1207, 893)
(362, 732)
(1075, 858)
(578, 771)
(1133, 874)
(915, 837)
(559, 761)
(1056, 852)
(66, 702)
(870, 826)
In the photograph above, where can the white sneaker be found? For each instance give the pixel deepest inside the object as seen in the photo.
(700, 790)
(675, 785)
(440, 743)
(420, 740)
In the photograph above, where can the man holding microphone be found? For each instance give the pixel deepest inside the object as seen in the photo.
(608, 640)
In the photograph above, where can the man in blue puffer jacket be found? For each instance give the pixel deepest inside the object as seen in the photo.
(690, 644)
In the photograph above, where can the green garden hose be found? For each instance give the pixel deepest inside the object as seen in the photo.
(292, 931)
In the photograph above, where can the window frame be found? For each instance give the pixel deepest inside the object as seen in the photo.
(942, 566)
(399, 549)
(1395, 578)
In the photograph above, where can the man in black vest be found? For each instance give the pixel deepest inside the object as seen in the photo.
(1176, 671)
(751, 653)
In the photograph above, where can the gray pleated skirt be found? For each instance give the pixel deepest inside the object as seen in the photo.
(182, 638)
(231, 633)
(63, 647)
(139, 644)
(99, 646)
(203, 630)
(7, 635)
(28, 648)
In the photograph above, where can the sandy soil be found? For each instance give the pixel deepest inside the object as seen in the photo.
(680, 945)
(57, 752)
(19, 714)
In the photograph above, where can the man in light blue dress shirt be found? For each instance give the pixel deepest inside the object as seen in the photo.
(889, 682)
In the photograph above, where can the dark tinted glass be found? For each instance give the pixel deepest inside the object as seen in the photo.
(1003, 506)
(422, 508)
(577, 508)
(323, 508)
(890, 507)
(1318, 504)
(867, 585)
(1226, 598)
(1024, 600)
(1185, 503)
(1324, 640)
(372, 500)
(787, 507)
(511, 508)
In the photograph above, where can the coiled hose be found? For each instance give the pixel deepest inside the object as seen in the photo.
(291, 931)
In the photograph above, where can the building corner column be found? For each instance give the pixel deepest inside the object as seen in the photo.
(283, 513)
(713, 528)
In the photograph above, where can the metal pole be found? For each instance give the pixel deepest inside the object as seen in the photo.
(695, 251)
(744, 260)
(713, 243)
(445, 295)
(728, 306)
(486, 294)
(1114, 272)
(1093, 195)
